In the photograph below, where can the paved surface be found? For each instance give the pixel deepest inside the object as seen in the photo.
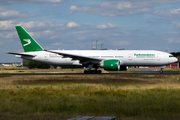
(143, 73)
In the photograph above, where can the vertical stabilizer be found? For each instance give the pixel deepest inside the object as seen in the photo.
(28, 43)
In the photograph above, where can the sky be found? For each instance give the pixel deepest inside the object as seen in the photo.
(78, 24)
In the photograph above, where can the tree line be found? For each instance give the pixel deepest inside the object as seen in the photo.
(32, 64)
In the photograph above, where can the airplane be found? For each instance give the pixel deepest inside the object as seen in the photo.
(6, 64)
(112, 60)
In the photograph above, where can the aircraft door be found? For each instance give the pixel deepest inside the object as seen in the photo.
(158, 57)
(130, 57)
(46, 56)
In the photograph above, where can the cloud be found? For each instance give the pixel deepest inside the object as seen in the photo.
(57, 43)
(30, 1)
(120, 8)
(111, 9)
(121, 43)
(1, 43)
(6, 25)
(73, 8)
(79, 32)
(72, 25)
(109, 25)
(178, 25)
(12, 14)
(40, 24)
(168, 13)
(9, 25)
(118, 5)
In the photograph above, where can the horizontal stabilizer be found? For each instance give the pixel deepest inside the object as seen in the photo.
(22, 54)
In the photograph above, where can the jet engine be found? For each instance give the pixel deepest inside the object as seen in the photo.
(112, 65)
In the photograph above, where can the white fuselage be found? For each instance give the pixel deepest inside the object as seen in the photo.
(126, 57)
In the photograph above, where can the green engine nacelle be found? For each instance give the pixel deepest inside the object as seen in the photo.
(111, 65)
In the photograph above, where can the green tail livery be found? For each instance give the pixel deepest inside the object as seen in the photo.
(28, 43)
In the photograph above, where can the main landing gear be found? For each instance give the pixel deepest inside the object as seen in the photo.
(95, 71)
(92, 71)
(161, 71)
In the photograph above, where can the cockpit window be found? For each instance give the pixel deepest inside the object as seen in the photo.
(171, 56)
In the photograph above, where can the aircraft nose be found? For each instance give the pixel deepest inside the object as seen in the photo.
(174, 60)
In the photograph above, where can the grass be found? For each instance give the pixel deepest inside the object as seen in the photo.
(83, 100)
(62, 97)
(172, 70)
(14, 69)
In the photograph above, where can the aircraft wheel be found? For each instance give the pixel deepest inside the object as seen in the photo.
(89, 71)
(99, 71)
(93, 71)
(85, 72)
(161, 72)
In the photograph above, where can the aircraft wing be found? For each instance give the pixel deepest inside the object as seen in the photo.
(22, 54)
(81, 58)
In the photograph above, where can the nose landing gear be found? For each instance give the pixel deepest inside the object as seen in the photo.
(161, 71)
